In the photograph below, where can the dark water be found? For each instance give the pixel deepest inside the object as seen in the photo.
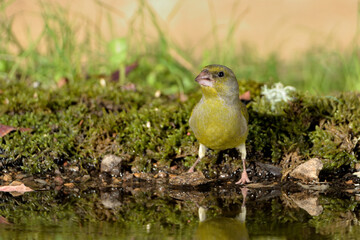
(157, 212)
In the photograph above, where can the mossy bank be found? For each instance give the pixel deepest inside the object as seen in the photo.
(79, 123)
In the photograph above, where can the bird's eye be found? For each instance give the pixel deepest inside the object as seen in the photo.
(221, 74)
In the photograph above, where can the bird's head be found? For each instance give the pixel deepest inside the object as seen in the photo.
(218, 81)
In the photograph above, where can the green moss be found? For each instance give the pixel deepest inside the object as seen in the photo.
(337, 216)
(335, 144)
(314, 126)
(83, 121)
(272, 135)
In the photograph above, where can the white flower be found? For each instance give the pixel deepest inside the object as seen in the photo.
(277, 94)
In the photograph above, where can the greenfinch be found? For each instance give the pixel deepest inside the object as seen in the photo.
(220, 120)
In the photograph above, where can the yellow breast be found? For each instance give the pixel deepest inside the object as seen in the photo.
(219, 125)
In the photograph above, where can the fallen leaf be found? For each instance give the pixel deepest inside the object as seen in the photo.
(3, 220)
(4, 130)
(157, 94)
(131, 67)
(349, 182)
(245, 96)
(15, 188)
(116, 74)
(25, 129)
(183, 97)
(62, 82)
(129, 87)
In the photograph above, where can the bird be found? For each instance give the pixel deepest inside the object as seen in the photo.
(222, 227)
(219, 120)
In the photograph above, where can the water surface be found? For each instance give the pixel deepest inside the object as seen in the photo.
(159, 212)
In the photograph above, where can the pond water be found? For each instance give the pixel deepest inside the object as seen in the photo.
(159, 212)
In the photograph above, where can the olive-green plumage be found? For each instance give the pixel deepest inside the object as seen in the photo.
(219, 120)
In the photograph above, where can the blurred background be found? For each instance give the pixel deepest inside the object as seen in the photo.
(312, 45)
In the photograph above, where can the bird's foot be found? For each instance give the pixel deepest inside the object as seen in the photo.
(244, 191)
(244, 178)
(191, 170)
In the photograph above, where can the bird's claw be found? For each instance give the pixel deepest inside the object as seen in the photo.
(244, 178)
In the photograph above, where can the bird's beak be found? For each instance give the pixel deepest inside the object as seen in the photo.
(205, 78)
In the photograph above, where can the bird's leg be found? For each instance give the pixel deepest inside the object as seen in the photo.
(202, 151)
(244, 177)
(242, 215)
(202, 214)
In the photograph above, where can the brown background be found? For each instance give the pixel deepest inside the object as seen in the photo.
(285, 26)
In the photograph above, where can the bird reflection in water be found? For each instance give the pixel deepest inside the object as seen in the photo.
(223, 227)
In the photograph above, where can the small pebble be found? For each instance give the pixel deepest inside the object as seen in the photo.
(85, 178)
(111, 164)
(161, 175)
(128, 176)
(20, 176)
(69, 185)
(57, 172)
(58, 180)
(7, 178)
(115, 180)
(40, 181)
(73, 168)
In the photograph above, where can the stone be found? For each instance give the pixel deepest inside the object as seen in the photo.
(189, 179)
(309, 203)
(111, 164)
(308, 171)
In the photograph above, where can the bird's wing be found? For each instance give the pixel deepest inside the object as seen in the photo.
(244, 111)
